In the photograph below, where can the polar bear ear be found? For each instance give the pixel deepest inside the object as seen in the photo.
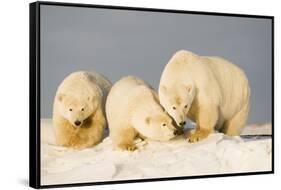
(147, 120)
(90, 98)
(189, 88)
(60, 97)
(163, 89)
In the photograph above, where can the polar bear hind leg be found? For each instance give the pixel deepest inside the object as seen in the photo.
(206, 122)
(234, 126)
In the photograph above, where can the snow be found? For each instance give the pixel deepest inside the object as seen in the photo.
(217, 154)
(259, 129)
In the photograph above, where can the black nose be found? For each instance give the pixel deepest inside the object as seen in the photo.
(182, 123)
(178, 132)
(77, 122)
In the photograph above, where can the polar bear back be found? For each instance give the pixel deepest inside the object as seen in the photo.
(233, 84)
(102, 81)
(122, 99)
(82, 83)
(216, 80)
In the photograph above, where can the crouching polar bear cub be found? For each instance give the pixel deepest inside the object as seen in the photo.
(211, 91)
(132, 108)
(78, 112)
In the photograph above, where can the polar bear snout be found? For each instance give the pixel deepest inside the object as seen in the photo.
(178, 131)
(182, 123)
(77, 123)
(179, 118)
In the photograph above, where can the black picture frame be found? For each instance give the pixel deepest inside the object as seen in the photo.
(34, 92)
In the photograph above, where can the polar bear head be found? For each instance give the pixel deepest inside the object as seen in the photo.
(76, 110)
(162, 125)
(148, 116)
(157, 126)
(177, 100)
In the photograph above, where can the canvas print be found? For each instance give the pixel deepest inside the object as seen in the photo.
(133, 94)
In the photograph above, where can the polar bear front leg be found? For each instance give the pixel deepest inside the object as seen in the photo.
(91, 132)
(96, 129)
(125, 138)
(76, 141)
(63, 131)
(205, 124)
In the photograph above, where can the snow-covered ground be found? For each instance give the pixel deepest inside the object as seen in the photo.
(216, 155)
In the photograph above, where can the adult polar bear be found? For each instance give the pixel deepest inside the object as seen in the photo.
(133, 108)
(210, 91)
(79, 109)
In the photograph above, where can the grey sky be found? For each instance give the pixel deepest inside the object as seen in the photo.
(117, 43)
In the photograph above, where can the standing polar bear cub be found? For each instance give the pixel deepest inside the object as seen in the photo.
(78, 112)
(132, 108)
(211, 91)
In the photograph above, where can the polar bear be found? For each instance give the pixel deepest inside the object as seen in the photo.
(79, 109)
(210, 91)
(133, 108)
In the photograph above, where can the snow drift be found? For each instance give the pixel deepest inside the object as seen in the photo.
(218, 154)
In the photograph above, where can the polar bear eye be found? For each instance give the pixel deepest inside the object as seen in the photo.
(174, 107)
(185, 106)
(82, 109)
(164, 124)
(70, 109)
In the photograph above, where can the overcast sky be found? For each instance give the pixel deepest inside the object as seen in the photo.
(118, 43)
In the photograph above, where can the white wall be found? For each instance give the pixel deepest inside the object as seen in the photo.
(14, 92)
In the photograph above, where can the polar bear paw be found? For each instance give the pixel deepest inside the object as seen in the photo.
(128, 147)
(198, 135)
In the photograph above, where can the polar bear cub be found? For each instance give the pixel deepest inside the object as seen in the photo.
(132, 108)
(211, 91)
(79, 109)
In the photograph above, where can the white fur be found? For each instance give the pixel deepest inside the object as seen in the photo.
(216, 92)
(81, 89)
(80, 97)
(133, 107)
